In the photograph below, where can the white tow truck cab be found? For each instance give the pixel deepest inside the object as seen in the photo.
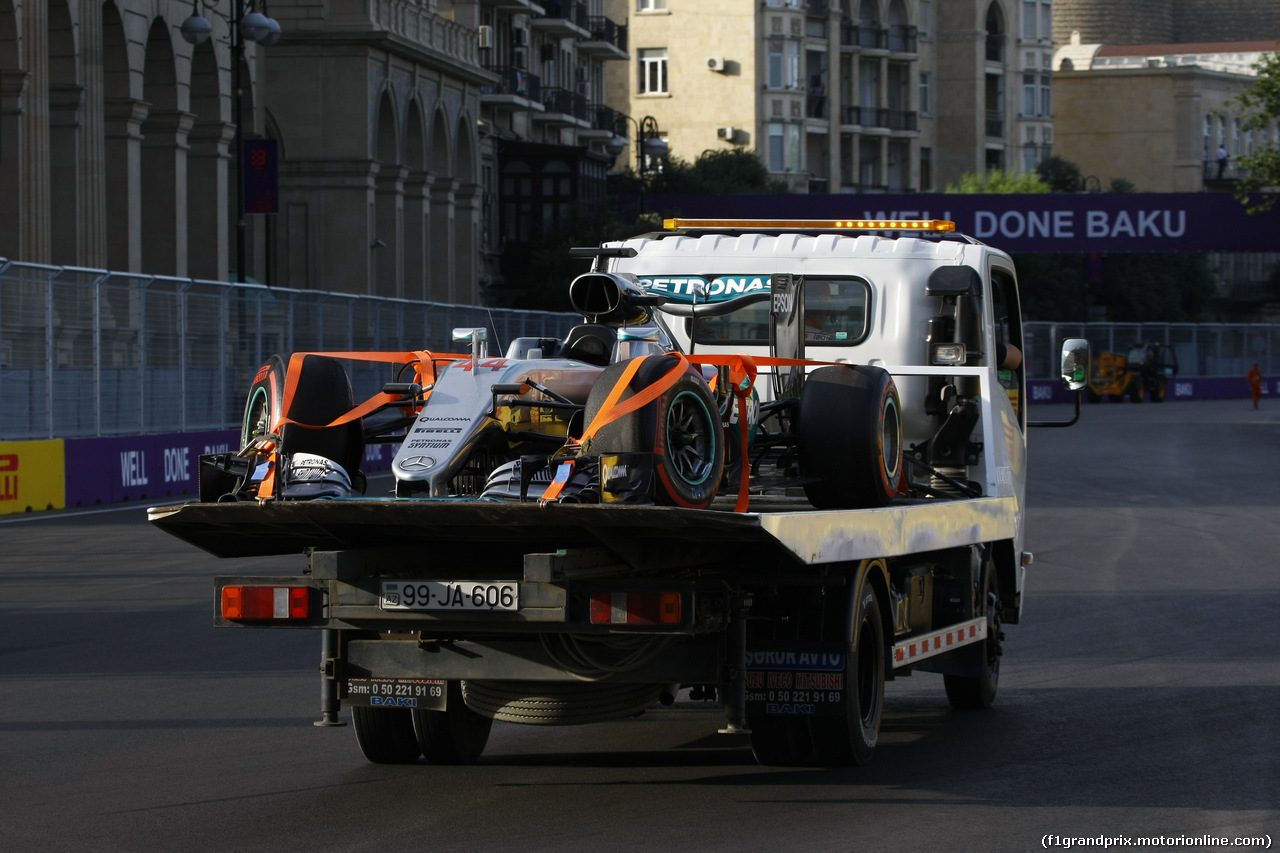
(778, 464)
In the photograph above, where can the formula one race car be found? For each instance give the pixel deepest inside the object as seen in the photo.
(613, 413)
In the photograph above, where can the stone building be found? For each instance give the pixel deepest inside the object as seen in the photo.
(388, 118)
(1139, 22)
(1157, 114)
(849, 95)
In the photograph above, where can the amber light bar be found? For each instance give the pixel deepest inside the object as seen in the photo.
(816, 224)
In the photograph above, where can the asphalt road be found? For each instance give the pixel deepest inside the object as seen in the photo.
(1140, 697)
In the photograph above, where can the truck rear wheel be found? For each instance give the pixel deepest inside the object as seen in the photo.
(849, 437)
(977, 692)
(779, 741)
(456, 735)
(850, 739)
(386, 735)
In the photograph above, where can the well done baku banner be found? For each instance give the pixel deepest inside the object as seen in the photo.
(1048, 222)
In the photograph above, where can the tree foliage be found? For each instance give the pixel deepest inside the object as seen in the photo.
(1261, 106)
(726, 171)
(997, 181)
(540, 272)
(1062, 175)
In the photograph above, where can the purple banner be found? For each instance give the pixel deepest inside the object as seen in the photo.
(1035, 223)
(141, 467)
(1189, 388)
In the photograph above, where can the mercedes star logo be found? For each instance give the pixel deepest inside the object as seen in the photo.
(417, 463)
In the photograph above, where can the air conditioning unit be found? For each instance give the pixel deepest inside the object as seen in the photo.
(484, 37)
(715, 63)
(726, 133)
(520, 38)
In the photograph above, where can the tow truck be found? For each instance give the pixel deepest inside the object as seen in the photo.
(778, 464)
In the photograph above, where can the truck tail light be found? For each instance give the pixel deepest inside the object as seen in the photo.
(636, 608)
(266, 602)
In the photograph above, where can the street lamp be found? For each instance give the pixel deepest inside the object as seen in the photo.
(649, 146)
(247, 23)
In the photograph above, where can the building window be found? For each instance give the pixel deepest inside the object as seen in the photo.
(926, 169)
(1046, 20)
(925, 28)
(653, 71)
(1029, 19)
(775, 63)
(926, 102)
(651, 5)
(777, 148)
(1046, 95)
(1028, 94)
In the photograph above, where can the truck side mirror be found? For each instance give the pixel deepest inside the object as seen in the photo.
(1075, 364)
(1075, 376)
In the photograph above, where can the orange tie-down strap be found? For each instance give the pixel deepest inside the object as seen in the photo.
(742, 377)
(424, 372)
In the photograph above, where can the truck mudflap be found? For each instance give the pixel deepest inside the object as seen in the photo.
(247, 528)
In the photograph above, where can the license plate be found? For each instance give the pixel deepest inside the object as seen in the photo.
(450, 595)
(421, 693)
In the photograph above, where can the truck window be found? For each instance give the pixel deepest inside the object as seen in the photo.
(835, 309)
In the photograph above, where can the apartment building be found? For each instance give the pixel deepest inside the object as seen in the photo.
(546, 126)
(847, 96)
(415, 143)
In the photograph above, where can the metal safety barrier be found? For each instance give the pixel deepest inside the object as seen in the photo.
(95, 353)
(87, 353)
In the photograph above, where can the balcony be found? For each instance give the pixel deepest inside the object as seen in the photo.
(564, 106)
(995, 125)
(564, 18)
(902, 39)
(513, 6)
(514, 86)
(867, 38)
(602, 121)
(881, 118)
(608, 39)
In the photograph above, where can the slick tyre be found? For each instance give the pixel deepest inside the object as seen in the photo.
(681, 428)
(849, 437)
(323, 394)
(265, 401)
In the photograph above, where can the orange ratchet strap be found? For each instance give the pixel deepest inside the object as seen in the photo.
(424, 374)
(611, 410)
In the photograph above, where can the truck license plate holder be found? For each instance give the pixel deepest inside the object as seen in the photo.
(418, 595)
(422, 694)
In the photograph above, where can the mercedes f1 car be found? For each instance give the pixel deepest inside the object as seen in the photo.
(612, 413)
